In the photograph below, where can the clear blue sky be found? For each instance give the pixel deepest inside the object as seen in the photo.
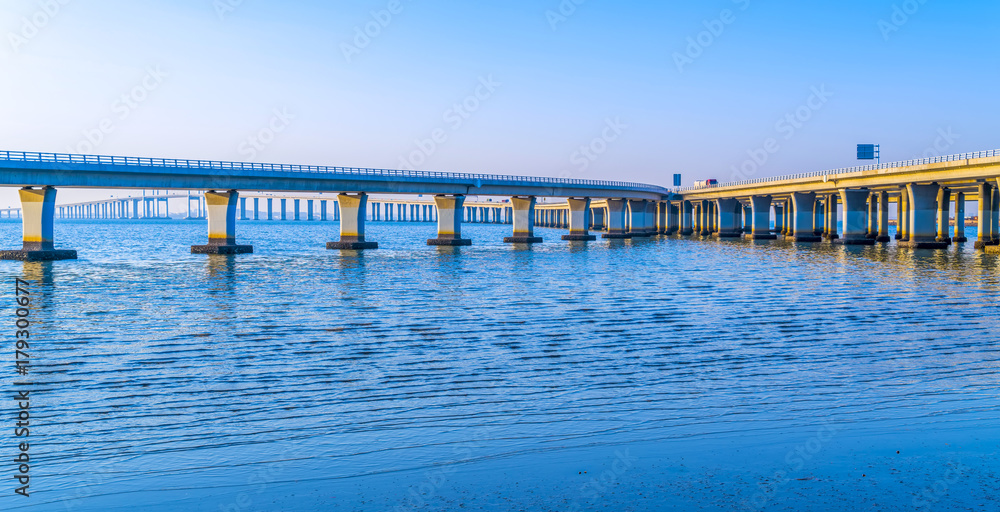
(559, 82)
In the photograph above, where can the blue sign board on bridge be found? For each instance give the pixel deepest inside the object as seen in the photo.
(868, 152)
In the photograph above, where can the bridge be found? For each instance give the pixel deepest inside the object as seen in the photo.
(803, 208)
(40, 174)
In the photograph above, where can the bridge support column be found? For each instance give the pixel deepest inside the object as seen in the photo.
(616, 219)
(883, 217)
(761, 206)
(832, 217)
(738, 213)
(637, 218)
(524, 221)
(38, 207)
(696, 218)
(727, 218)
(788, 218)
(256, 208)
(309, 209)
(652, 229)
(270, 209)
(985, 216)
(673, 218)
(662, 209)
(872, 229)
(779, 219)
(985, 209)
(243, 209)
(819, 219)
(803, 228)
(685, 218)
(579, 220)
(960, 218)
(995, 215)
(220, 207)
(922, 214)
(943, 214)
(855, 217)
(599, 215)
(449, 222)
(705, 219)
(353, 213)
(903, 221)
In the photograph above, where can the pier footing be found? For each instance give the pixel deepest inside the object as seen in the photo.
(854, 241)
(924, 244)
(959, 239)
(522, 240)
(882, 239)
(728, 235)
(580, 238)
(616, 236)
(761, 236)
(993, 249)
(806, 238)
(450, 242)
(221, 249)
(351, 246)
(53, 255)
(982, 245)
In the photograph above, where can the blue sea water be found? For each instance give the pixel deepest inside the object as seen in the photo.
(650, 374)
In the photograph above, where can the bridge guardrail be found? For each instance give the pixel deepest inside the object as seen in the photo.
(66, 158)
(848, 170)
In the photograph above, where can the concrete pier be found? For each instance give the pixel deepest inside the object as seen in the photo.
(449, 221)
(872, 229)
(651, 217)
(662, 209)
(524, 221)
(637, 218)
(761, 206)
(995, 214)
(616, 219)
(579, 220)
(985, 237)
(673, 218)
(819, 218)
(960, 219)
(598, 218)
(221, 210)
(803, 227)
(353, 211)
(855, 217)
(727, 218)
(779, 219)
(38, 207)
(830, 216)
(704, 219)
(883, 217)
(943, 214)
(922, 214)
(903, 220)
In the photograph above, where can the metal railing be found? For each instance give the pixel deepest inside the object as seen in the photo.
(849, 170)
(128, 161)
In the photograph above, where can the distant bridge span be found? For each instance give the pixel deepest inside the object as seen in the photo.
(39, 174)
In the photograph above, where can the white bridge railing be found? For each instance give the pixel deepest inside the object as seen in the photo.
(128, 161)
(860, 168)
